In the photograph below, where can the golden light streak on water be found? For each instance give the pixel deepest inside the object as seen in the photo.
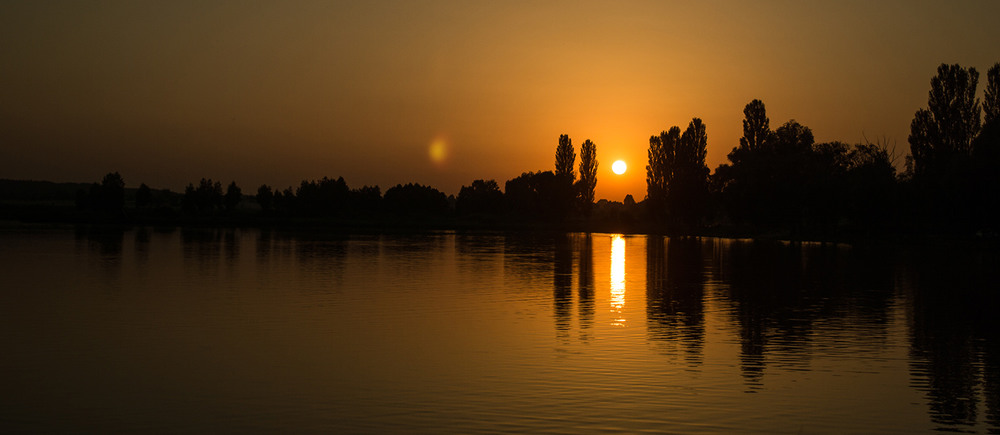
(617, 279)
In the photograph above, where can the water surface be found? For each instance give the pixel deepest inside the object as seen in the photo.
(258, 331)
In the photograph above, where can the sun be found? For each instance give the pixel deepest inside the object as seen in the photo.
(619, 167)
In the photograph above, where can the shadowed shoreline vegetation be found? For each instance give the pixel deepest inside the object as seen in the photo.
(776, 184)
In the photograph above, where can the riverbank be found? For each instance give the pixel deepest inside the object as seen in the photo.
(23, 214)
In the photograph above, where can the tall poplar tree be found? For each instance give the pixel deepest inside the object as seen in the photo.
(565, 157)
(659, 169)
(588, 174)
(756, 126)
(564, 195)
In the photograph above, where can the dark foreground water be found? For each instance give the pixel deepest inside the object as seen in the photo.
(213, 331)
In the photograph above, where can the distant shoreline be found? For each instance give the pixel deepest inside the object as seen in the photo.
(42, 203)
(50, 214)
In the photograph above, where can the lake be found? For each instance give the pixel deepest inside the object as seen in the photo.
(245, 330)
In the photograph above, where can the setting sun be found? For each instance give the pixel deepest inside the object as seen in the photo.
(619, 167)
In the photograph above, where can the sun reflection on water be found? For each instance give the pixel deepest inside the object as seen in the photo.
(617, 279)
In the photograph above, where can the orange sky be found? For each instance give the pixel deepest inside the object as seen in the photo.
(276, 92)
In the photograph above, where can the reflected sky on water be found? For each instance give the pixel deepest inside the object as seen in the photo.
(207, 330)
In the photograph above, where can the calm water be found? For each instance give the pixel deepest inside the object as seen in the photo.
(257, 331)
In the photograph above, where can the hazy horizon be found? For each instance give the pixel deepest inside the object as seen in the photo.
(269, 93)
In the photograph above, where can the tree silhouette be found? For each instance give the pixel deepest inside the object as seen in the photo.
(742, 184)
(986, 147)
(991, 99)
(109, 196)
(233, 196)
(687, 194)
(203, 200)
(285, 201)
(483, 196)
(792, 138)
(768, 183)
(143, 195)
(209, 195)
(947, 185)
(520, 194)
(323, 198)
(565, 177)
(945, 129)
(189, 203)
(565, 158)
(676, 175)
(415, 200)
(534, 195)
(588, 175)
(660, 170)
(788, 169)
(871, 182)
(265, 198)
(986, 156)
(366, 200)
(756, 126)
(819, 200)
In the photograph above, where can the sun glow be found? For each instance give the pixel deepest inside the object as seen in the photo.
(619, 167)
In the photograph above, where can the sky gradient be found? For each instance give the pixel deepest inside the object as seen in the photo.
(276, 92)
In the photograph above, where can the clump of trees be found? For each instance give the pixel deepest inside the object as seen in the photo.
(483, 197)
(108, 197)
(534, 195)
(415, 200)
(324, 198)
(677, 177)
(111, 200)
(556, 196)
(782, 181)
(951, 172)
(265, 198)
(206, 199)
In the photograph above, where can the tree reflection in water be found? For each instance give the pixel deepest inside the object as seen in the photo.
(675, 293)
(953, 323)
(562, 284)
(585, 279)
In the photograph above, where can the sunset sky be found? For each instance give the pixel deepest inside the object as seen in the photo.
(276, 92)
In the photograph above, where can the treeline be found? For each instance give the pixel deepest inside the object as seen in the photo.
(778, 183)
(107, 199)
(781, 181)
(546, 198)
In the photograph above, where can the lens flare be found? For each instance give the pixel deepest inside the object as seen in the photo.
(438, 151)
